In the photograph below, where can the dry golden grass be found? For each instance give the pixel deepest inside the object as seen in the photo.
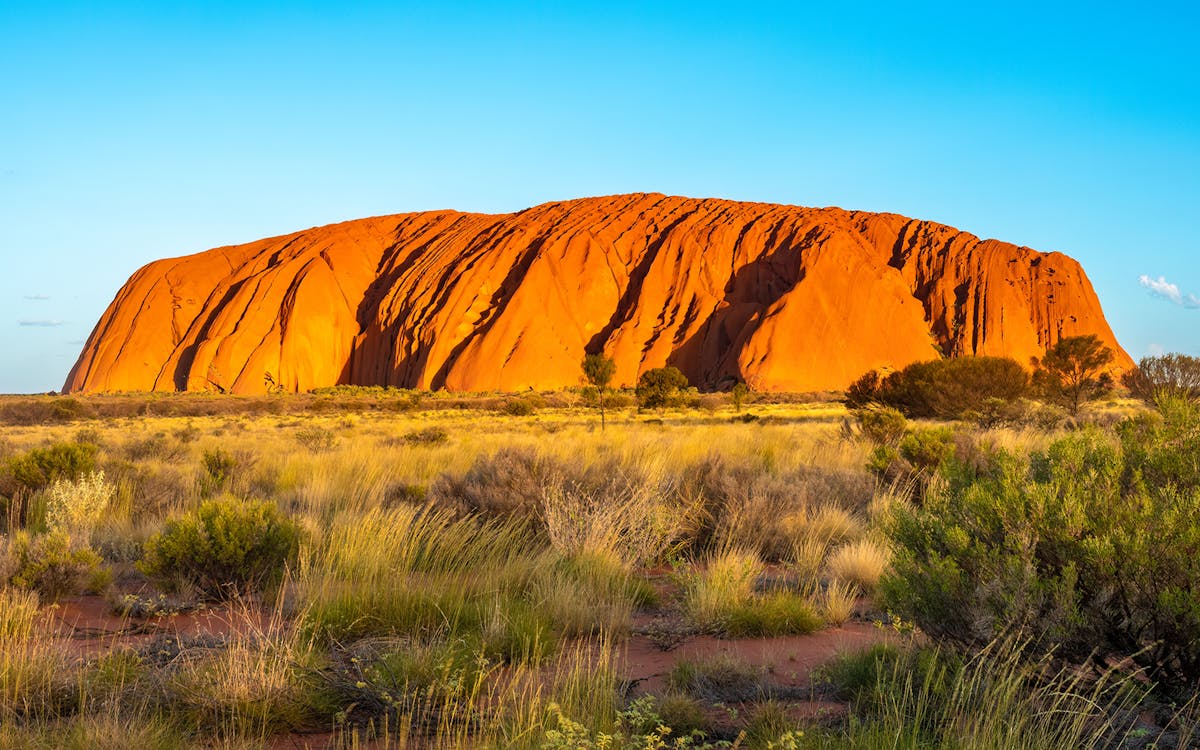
(546, 588)
(861, 562)
(838, 602)
(725, 583)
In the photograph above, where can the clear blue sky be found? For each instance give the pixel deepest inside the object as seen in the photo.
(130, 132)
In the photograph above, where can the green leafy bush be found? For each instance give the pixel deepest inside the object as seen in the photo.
(316, 439)
(50, 565)
(881, 425)
(39, 467)
(219, 466)
(660, 388)
(863, 391)
(1089, 546)
(919, 454)
(945, 388)
(519, 407)
(223, 548)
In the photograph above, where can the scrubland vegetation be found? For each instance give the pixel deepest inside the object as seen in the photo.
(370, 568)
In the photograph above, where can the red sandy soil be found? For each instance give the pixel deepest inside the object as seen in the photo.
(86, 627)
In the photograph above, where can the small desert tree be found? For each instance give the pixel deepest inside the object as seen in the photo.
(1165, 376)
(660, 387)
(738, 395)
(1073, 371)
(599, 371)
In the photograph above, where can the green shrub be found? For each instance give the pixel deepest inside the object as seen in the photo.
(683, 714)
(223, 548)
(920, 453)
(519, 407)
(50, 565)
(39, 467)
(1087, 547)
(953, 388)
(881, 425)
(769, 728)
(1163, 449)
(315, 438)
(638, 727)
(851, 675)
(413, 683)
(863, 391)
(927, 448)
(218, 466)
(660, 388)
(426, 436)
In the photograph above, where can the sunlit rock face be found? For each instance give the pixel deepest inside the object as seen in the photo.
(783, 298)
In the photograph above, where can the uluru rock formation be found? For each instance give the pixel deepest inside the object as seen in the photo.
(784, 298)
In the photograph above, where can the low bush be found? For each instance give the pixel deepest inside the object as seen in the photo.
(508, 482)
(50, 565)
(426, 436)
(415, 683)
(944, 388)
(683, 714)
(316, 439)
(155, 448)
(76, 507)
(881, 425)
(1086, 546)
(253, 686)
(219, 466)
(770, 728)
(851, 675)
(919, 455)
(638, 727)
(519, 407)
(223, 548)
(37, 469)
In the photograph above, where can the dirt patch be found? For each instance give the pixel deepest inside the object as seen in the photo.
(86, 626)
(788, 661)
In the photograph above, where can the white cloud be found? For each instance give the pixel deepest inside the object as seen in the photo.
(1156, 350)
(39, 297)
(1160, 287)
